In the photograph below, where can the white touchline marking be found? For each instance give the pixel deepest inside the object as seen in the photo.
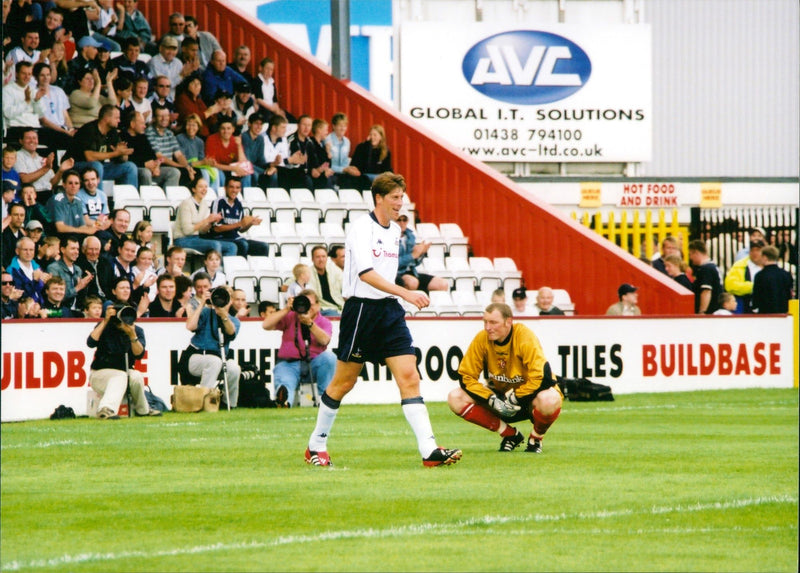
(46, 444)
(416, 529)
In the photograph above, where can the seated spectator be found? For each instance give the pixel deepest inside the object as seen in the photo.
(772, 286)
(241, 64)
(234, 222)
(35, 232)
(9, 197)
(133, 24)
(370, 158)
(54, 305)
(171, 159)
(162, 98)
(277, 157)
(121, 266)
(222, 102)
(302, 278)
(140, 101)
(59, 67)
(327, 281)
(20, 110)
(409, 255)
(336, 254)
(253, 145)
(243, 105)
(9, 302)
(121, 295)
(195, 218)
(66, 210)
(303, 350)
(544, 303)
(112, 374)
(83, 62)
(77, 16)
(128, 63)
(300, 147)
(47, 251)
(97, 144)
(499, 296)
(174, 261)
(218, 77)
(27, 274)
(86, 100)
(228, 154)
(190, 56)
(627, 305)
(95, 201)
(144, 271)
(165, 304)
(675, 267)
(28, 308)
(206, 42)
(143, 235)
(183, 292)
(212, 263)
(37, 170)
(51, 30)
(319, 163)
(27, 50)
(92, 263)
(123, 87)
(266, 93)
(117, 233)
(75, 279)
(519, 300)
(102, 64)
(13, 233)
(739, 278)
(707, 283)
(56, 131)
(240, 309)
(338, 145)
(194, 149)
(11, 175)
(167, 65)
(93, 307)
(727, 305)
(148, 166)
(177, 27)
(189, 102)
(267, 307)
(104, 28)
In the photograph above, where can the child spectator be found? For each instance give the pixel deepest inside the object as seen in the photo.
(727, 303)
(302, 276)
(9, 173)
(319, 162)
(144, 274)
(93, 307)
(338, 145)
(211, 266)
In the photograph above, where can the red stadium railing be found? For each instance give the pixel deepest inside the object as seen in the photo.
(446, 185)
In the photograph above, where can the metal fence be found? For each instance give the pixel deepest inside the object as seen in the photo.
(726, 231)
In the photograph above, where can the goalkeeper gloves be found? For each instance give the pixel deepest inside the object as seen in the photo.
(503, 407)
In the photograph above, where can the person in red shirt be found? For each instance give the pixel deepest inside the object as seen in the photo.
(228, 153)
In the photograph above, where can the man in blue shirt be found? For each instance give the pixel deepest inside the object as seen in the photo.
(218, 76)
(234, 221)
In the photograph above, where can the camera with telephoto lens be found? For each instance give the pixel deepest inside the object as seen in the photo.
(125, 313)
(220, 297)
(301, 304)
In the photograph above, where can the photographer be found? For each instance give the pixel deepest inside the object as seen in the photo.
(306, 335)
(206, 320)
(119, 344)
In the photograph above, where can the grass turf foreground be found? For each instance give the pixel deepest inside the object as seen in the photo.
(701, 481)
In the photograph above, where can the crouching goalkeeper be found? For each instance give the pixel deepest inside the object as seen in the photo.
(519, 386)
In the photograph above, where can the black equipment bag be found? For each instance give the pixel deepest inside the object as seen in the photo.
(253, 391)
(583, 390)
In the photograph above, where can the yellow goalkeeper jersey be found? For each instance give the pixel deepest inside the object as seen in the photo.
(518, 364)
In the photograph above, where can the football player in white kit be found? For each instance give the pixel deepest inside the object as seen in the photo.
(373, 326)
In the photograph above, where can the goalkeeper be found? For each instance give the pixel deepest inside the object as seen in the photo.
(519, 386)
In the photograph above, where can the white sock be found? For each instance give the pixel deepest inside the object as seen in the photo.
(325, 418)
(417, 415)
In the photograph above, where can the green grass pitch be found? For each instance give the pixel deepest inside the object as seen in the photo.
(701, 481)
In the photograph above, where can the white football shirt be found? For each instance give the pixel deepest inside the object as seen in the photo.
(369, 245)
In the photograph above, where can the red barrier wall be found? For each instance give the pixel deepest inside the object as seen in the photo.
(446, 184)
